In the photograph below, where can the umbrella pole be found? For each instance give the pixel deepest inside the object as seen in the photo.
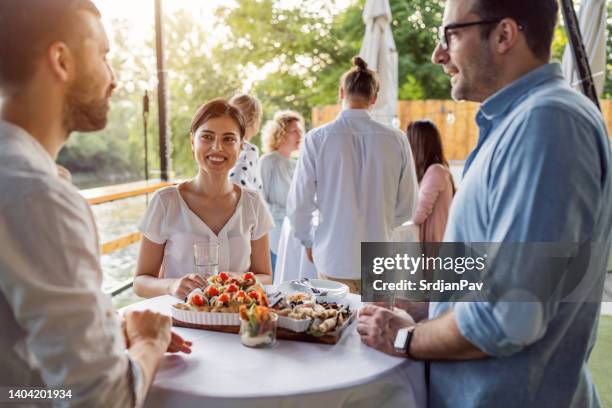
(162, 96)
(580, 56)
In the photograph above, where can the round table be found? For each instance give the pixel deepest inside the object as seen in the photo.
(221, 372)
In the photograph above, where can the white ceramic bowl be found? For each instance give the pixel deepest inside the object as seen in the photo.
(206, 318)
(295, 325)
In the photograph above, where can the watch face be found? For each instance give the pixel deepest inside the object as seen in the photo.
(400, 339)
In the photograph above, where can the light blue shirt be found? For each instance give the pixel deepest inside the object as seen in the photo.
(539, 173)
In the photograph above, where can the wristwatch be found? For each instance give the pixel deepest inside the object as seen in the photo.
(403, 339)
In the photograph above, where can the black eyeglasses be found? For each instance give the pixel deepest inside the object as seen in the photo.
(443, 31)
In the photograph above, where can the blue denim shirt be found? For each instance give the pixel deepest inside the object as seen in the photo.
(539, 173)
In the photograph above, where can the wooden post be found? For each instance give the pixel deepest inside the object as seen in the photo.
(165, 144)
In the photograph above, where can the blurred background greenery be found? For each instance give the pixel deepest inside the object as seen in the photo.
(289, 53)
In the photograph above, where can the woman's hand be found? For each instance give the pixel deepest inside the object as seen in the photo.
(180, 288)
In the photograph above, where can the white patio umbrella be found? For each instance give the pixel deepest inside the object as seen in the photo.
(378, 51)
(592, 22)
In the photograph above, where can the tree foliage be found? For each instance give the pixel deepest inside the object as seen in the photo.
(300, 53)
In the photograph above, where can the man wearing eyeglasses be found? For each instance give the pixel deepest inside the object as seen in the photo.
(540, 173)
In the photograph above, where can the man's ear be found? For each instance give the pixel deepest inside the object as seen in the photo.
(341, 93)
(374, 99)
(61, 61)
(506, 35)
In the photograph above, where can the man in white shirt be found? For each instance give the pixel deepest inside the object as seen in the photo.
(58, 329)
(359, 175)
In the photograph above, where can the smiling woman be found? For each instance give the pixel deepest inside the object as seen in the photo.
(207, 208)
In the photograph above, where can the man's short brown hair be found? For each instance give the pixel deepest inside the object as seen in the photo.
(538, 16)
(27, 28)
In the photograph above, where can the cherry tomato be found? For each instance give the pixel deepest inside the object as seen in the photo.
(241, 293)
(249, 276)
(224, 297)
(254, 295)
(197, 300)
(212, 291)
(232, 288)
(224, 276)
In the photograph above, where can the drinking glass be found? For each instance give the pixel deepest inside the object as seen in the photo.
(206, 258)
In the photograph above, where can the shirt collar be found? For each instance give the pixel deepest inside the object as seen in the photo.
(497, 104)
(37, 154)
(355, 113)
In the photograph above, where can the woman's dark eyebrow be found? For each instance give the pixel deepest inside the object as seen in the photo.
(229, 134)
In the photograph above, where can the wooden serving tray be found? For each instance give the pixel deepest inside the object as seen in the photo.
(281, 333)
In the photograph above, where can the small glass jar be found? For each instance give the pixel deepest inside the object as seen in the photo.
(259, 334)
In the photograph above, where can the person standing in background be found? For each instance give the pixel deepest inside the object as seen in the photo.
(246, 171)
(435, 180)
(282, 136)
(359, 174)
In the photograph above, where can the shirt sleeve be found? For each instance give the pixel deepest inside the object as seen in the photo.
(408, 192)
(153, 222)
(301, 200)
(550, 175)
(246, 171)
(52, 285)
(263, 220)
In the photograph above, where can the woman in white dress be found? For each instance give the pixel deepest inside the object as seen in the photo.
(207, 208)
(282, 136)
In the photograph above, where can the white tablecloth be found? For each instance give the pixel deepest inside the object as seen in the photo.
(292, 263)
(221, 372)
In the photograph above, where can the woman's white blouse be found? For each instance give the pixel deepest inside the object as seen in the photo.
(168, 220)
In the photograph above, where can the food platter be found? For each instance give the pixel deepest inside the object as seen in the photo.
(301, 316)
(281, 333)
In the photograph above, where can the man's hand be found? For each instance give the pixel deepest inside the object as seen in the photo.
(148, 326)
(378, 327)
(180, 288)
(417, 310)
(179, 345)
(309, 254)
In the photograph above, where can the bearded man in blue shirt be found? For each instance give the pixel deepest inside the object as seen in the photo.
(540, 173)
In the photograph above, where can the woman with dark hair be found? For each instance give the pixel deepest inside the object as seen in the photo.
(435, 180)
(207, 208)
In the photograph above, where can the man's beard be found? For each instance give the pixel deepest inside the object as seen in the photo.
(82, 114)
(481, 82)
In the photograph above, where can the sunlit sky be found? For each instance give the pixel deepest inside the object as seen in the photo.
(141, 14)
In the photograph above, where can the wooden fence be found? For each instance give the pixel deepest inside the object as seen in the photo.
(456, 121)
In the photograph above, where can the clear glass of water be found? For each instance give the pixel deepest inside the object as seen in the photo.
(206, 258)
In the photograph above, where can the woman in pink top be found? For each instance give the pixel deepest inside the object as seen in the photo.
(435, 180)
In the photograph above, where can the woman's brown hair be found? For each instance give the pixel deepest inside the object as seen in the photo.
(215, 109)
(360, 81)
(426, 144)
